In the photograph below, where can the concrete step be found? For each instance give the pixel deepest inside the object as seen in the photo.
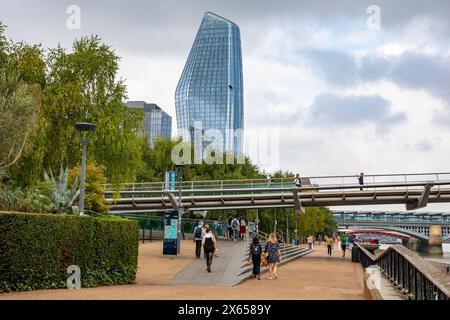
(247, 273)
(247, 268)
(284, 251)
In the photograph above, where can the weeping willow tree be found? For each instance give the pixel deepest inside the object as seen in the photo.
(19, 107)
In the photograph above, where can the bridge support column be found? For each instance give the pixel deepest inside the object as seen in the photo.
(434, 245)
(412, 244)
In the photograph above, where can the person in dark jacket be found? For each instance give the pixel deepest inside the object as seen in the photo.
(209, 246)
(361, 180)
(255, 256)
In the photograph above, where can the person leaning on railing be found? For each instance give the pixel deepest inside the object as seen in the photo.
(298, 181)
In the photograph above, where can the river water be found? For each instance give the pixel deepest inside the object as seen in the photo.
(444, 259)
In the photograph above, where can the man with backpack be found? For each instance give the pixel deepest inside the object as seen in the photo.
(199, 232)
(235, 227)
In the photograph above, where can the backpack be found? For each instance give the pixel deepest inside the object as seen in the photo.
(198, 232)
(235, 224)
(255, 250)
(209, 245)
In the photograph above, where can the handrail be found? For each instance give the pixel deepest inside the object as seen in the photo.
(411, 273)
(309, 188)
(290, 178)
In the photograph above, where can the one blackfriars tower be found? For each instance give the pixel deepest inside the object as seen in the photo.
(210, 90)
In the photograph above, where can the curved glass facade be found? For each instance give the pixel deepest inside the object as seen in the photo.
(210, 90)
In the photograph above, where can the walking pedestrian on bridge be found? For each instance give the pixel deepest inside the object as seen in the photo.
(361, 179)
(297, 181)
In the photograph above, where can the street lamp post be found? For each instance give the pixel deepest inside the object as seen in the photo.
(275, 223)
(287, 226)
(85, 131)
(180, 205)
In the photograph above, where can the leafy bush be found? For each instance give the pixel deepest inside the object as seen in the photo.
(11, 198)
(37, 198)
(94, 190)
(36, 249)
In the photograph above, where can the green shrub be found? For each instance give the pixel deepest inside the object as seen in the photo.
(36, 249)
(37, 198)
(94, 191)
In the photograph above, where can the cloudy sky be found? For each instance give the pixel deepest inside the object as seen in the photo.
(341, 95)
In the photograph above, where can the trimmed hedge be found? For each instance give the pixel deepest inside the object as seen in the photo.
(36, 249)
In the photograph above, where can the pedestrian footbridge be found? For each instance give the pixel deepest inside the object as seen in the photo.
(413, 190)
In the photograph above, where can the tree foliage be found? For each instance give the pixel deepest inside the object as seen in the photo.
(19, 104)
(82, 87)
(315, 220)
(158, 160)
(94, 191)
(77, 86)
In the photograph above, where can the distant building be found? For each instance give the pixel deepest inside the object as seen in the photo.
(157, 123)
(210, 90)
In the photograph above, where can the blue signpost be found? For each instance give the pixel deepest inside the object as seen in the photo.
(170, 246)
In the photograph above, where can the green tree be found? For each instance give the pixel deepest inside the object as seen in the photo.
(19, 105)
(315, 220)
(82, 86)
(22, 72)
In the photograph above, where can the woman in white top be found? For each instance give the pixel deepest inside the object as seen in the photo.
(209, 244)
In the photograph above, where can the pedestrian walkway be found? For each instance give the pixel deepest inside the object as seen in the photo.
(224, 267)
(314, 276)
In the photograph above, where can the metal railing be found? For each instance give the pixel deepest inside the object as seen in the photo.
(399, 179)
(408, 272)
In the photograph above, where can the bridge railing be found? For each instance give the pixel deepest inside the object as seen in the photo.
(400, 219)
(408, 272)
(346, 180)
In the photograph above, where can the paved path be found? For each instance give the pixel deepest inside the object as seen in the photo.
(315, 276)
(224, 267)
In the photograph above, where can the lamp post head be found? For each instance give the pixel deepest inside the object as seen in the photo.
(85, 126)
(85, 131)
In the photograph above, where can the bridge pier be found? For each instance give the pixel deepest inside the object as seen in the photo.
(412, 244)
(434, 245)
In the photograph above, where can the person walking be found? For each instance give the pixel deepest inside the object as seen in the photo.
(310, 242)
(255, 256)
(209, 246)
(344, 240)
(199, 232)
(329, 242)
(273, 249)
(297, 181)
(230, 229)
(235, 228)
(243, 229)
(225, 228)
(361, 180)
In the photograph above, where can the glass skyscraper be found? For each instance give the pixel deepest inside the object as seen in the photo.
(210, 90)
(157, 123)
